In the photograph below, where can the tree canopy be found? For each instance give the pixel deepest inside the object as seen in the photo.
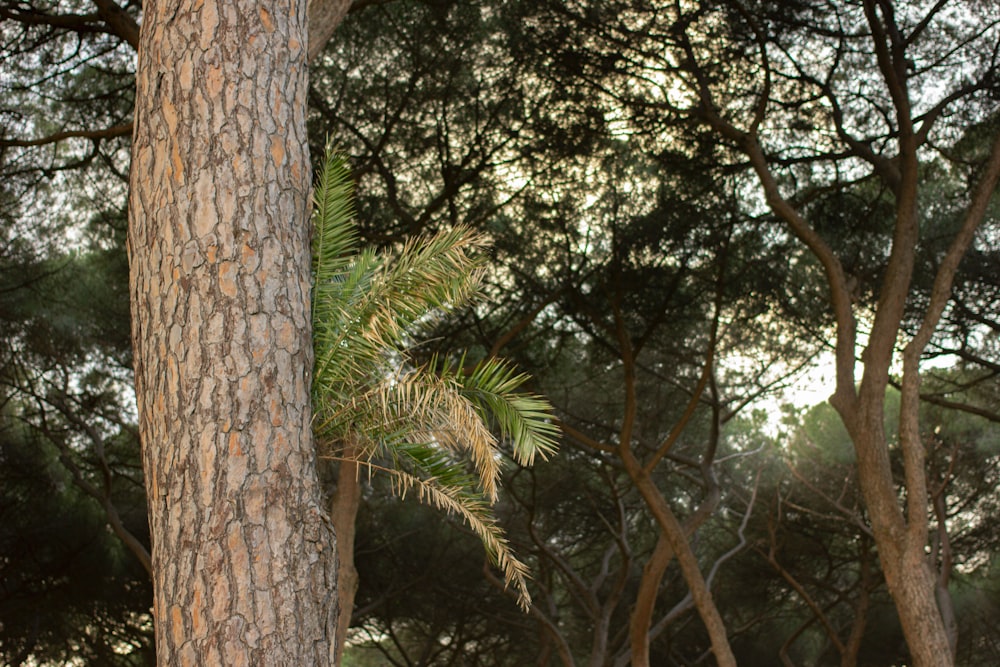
(693, 210)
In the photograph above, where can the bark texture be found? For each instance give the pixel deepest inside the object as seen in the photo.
(243, 554)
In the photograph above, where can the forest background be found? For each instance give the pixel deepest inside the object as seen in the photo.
(690, 206)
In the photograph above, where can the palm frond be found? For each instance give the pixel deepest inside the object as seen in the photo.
(427, 421)
(366, 302)
(523, 418)
(418, 407)
(335, 236)
(344, 355)
(454, 491)
(431, 273)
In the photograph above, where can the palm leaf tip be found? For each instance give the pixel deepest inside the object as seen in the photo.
(526, 420)
(449, 489)
(335, 235)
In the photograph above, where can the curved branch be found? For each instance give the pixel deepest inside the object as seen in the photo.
(121, 22)
(325, 16)
(95, 135)
(910, 440)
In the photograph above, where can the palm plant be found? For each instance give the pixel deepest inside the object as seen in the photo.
(420, 424)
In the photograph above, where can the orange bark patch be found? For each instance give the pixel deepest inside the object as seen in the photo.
(206, 216)
(186, 76)
(178, 164)
(207, 466)
(265, 19)
(227, 278)
(280, 446)
(277, 97)
(277, 151)
(197, 621)
(173, 383)
(209, 22)
(248, 384)
(212, 253)
(240, 555)
(213, 81)
(177, 624)
(247, 253)
(169, 112)
(286, 335)
(234, 444)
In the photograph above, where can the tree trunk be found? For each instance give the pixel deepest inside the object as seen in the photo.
(901, 551)
(852, 647)
(344, 506)
(244, 557)
(673, 532)
(641, 617)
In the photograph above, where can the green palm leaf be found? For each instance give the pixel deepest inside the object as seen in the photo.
(430, 423)
(335, 235)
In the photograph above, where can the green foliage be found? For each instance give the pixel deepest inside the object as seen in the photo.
(422, 584)
(416, 423)
(71, 592)
(559, 128)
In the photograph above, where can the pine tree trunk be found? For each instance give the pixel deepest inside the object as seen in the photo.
(243, 554)
(673, 533)
(901, 544)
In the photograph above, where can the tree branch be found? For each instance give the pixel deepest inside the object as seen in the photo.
(95, 135)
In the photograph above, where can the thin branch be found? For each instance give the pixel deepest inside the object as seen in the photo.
(96, 135)
(121, 22)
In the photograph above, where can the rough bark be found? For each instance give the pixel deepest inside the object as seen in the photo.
(243, 554)
(902, 539)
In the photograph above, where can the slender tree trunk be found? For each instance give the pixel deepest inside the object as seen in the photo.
(673, 532)
(640, 621)
(908, 574)
(645, 600)
(344, 507)
(243, 554)
(852, 647)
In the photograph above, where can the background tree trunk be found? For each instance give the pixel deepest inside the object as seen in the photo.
(904, 562)
(344, 506)
(243, 554)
